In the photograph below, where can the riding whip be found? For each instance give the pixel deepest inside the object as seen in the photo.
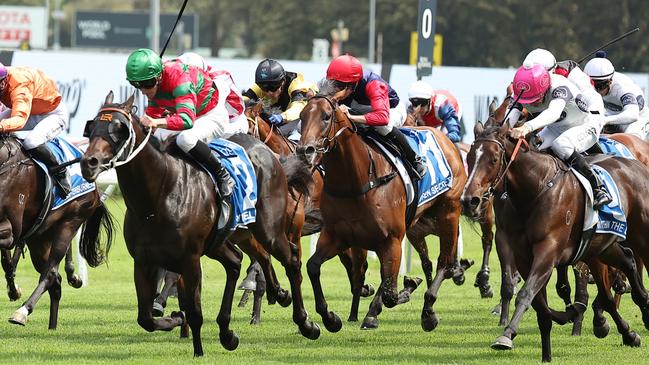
(609, 43)
(180, 14)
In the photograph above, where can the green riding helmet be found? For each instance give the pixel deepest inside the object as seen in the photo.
(143, 64)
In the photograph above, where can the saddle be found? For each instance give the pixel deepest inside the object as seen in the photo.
(365, 132)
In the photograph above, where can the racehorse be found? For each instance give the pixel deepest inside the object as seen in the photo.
(486, 226)
(545, 229)
(374, 218)
(172, 214)
(26, 218)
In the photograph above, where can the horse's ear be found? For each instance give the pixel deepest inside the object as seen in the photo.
(109, 97)
(478, 128)
(510, 89)
(339, 95)
(492, 106)
(128, 105)
(504, 129)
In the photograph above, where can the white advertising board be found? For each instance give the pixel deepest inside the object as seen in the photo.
(18, 23)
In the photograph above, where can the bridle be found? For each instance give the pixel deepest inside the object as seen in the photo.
(503, 171)
(126, 149)
(329, 141)
(255, 132)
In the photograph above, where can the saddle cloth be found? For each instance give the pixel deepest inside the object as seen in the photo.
(438, 177)
(244, 197)
(614, 148)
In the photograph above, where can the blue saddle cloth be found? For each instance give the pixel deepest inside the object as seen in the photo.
(614, 148)
(244, 197)
(438, 178)
(612, 218)
(64, 152)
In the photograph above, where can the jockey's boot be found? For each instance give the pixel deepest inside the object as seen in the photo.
(395, 136)
(600, 196)
(60, 176)
(203, 154)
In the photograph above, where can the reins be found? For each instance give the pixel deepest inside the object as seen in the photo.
(129, 144)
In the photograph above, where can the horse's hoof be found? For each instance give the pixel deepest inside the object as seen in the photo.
(229, 341)
(255, 320)
(429, 322)
(352, 319)
(18, 318)
(370, 323)
(458, 279)
(486, 292)
(502, 343)
(158, 309)
(284, 298)
(310, 330)
(497, 309)
(180, 315)
(367, 291)
(14, 296)
(411, 283)
(75, 281)
(631, 340)
(601, 331)
(184, 331)
(333, 324)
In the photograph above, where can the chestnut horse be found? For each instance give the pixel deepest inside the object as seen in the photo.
(22, 201)
(373, 219)
(546, 222)
(171, 217)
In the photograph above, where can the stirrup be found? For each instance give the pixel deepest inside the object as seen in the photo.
(601, 198)
(420, 168)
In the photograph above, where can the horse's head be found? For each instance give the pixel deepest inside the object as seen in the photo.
(322, 123)
(253, 114)
(111, 137)
(487, 163)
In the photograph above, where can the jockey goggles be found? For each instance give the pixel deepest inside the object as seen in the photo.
(419, 102)
(144, 84)
(270, 86)
(600, 84)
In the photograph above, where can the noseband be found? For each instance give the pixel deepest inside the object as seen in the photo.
(503, 171)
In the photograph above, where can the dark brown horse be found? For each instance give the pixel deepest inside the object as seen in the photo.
(486, 223)
(22, 199)
(373, 219)
(546, 223)
(171, 217)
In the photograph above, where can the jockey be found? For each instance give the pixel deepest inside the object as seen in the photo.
(286, 91)
(436, 108)
(623, 98)
(569, 129)
(382, 109)
(230, 96)
(570, 70)
(183, 98)
(33, 103)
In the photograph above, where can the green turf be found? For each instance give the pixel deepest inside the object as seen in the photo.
(97, 324)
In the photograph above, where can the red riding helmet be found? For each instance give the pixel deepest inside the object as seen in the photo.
(345, 68)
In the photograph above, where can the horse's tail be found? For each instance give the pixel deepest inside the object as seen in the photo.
(90, 244)
(298, 175)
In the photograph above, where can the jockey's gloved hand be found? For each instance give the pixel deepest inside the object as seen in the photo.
(454, 137)
(276, 119)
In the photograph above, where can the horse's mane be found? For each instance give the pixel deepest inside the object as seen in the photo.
(328, 87)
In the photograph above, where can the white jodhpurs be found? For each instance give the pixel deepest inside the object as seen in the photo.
(43, 127)
(398, 116)
(639, 128)
(565, 142)
(214, 124)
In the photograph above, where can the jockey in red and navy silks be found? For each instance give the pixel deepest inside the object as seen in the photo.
(371, 96)
(436, 109)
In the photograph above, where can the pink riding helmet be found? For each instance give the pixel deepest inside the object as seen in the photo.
(3, 71)
(532, 83)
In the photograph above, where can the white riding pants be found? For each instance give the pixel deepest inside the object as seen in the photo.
(42, 127)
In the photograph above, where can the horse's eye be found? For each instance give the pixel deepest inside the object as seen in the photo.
(327, 116)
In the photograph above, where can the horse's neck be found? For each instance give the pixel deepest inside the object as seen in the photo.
(276, 142)
(529, 173)
(350, 161)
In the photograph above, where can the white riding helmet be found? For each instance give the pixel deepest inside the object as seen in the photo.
(420, 90)
(599, 69)
(541, 57)
(193, 59)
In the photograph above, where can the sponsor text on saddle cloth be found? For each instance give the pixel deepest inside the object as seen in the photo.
(64, 152)
(244, 197)
(614, 148)
(437, 179)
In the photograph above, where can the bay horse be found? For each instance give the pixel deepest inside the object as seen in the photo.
(309, 205)
(22, 205)
(171, 219)
(486, 223)
(373, 219)
(546, 206)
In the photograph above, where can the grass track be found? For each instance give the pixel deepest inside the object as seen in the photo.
(97, 324)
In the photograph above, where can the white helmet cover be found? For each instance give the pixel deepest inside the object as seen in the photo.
(420, 90)
(599, 69)
(541, 57)
(193, 59)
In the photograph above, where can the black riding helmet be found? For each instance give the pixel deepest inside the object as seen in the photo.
(269, 72)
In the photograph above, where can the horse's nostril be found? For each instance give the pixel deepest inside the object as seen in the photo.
(474, 202)
(93, 162)
(309, 151)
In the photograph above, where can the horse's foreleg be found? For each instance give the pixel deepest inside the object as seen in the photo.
(544, 321)
(145, 289)
(482, 277)
(357, 279)
(230, 257)
(327, 247)
(507, 285)
(581, 296)
(563, 285)
(55, 297)
(537, 275)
